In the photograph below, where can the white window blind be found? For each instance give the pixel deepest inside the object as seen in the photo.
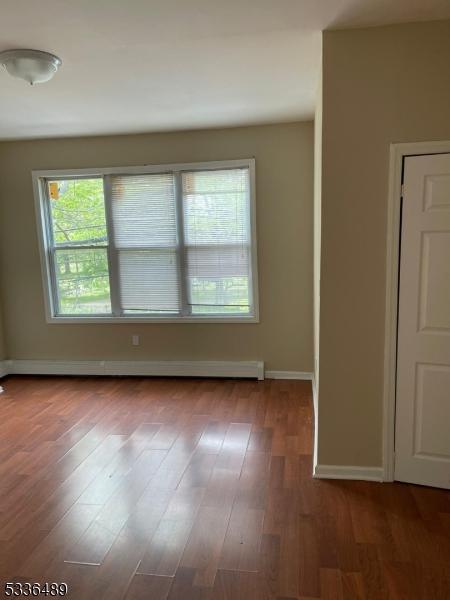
(216, 209)
(145, 239)
(167, 243)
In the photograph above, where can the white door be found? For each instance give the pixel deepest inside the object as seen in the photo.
(422, 426)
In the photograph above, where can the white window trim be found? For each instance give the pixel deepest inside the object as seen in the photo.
(48, 284)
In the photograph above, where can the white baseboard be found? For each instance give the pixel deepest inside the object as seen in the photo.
(348, 472)
(245, 369)
(289, 375)
(3, 368)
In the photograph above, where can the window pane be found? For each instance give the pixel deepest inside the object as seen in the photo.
(149, 281)
(83, 281)
(78, 211)
(216, 209)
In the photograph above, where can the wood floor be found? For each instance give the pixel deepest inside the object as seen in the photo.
(163, 489)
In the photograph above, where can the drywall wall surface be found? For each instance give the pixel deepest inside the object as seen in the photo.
(317, 228)
(380, 85)
(2, 337)
(284, 198)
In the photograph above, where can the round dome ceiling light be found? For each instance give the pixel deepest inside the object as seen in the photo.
(34, 66)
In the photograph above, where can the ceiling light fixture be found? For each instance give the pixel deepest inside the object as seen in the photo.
(34, 66)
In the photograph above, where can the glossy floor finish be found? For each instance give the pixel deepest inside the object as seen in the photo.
(165, 489)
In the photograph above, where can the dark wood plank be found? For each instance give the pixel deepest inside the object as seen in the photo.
(148, 587)
(172, 489)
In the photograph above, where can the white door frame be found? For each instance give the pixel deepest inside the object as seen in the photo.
(397, 153)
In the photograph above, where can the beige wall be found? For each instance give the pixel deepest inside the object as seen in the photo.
(2, 337)
(380, 85)
(284, 163)
(317, 229)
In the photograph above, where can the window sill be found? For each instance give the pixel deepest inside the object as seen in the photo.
(96, 320)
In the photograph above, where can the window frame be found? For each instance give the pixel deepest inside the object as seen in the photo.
(46, 249)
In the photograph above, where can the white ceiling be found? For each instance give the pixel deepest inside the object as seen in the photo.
(152, 65)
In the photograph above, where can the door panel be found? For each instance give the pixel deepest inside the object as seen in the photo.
(422, 442)
(432, 408)
(434, 282)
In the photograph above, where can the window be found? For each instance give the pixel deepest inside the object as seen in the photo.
(173, 242)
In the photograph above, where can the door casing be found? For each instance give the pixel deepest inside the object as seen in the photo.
(398, 152)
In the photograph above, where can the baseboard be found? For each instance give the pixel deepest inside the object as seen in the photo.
(289, 375)
(244, 369)
(348, 472)
(3, 368)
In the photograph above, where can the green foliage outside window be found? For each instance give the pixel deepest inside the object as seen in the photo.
(78, 216)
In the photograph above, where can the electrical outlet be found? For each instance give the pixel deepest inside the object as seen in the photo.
(135, 340)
